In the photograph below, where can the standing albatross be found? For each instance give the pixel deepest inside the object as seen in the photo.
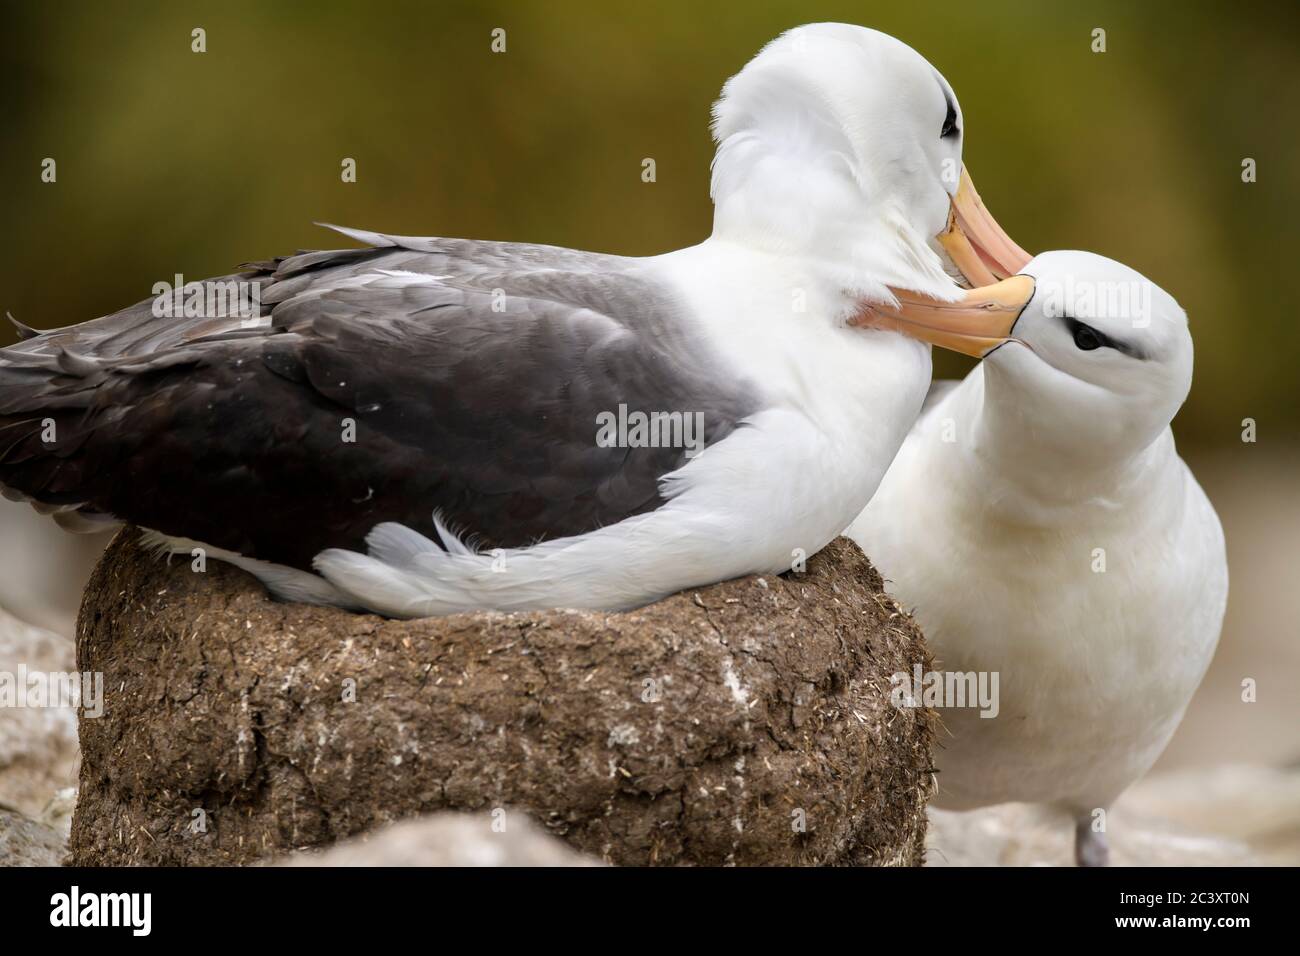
(1042, 526)
(417, 427)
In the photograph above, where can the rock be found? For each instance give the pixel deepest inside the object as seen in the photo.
(45, 568)
(1242, 804)
(1232, 815)
(1018, 834)
(57, 814)
(748, 722)
(25, 842)
(38, 744)
(450, 839)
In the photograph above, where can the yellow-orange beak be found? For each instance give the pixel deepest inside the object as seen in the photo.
(975, 242)
(975, 324)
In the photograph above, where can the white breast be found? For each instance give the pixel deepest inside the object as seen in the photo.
(1095, 667)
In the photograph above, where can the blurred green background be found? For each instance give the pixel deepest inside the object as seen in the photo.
(171, 161)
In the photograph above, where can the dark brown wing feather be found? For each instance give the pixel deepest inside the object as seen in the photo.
(236, 437)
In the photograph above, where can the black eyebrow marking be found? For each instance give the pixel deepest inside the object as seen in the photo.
(1106, 341)
(950, 120)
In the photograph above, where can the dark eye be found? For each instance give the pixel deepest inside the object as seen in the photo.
(1087, 338)
(949, 121)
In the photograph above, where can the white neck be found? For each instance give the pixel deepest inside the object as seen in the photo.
(1040, 464)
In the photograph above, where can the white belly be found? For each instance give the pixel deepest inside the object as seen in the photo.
(1095, 668)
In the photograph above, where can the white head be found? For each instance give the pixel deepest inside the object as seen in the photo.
(1080, 352)
(843, 145)
(1099, 351)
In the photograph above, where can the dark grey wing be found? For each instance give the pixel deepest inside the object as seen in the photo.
(389, 383)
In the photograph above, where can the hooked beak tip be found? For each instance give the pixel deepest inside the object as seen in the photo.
(980, 249)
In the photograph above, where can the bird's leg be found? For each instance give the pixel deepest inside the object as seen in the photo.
(1090, 847)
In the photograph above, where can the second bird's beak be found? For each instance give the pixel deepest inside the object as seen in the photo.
(975, 324)
(975, 242)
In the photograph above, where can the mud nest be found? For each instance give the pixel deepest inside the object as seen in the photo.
(748, 722)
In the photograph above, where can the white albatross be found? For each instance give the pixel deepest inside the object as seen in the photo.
(1042, 526)
(414, 427)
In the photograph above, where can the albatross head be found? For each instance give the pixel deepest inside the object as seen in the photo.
(1079, 350)
(843, 145)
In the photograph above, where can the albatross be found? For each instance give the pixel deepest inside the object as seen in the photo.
(1039, 521)
(411, 427)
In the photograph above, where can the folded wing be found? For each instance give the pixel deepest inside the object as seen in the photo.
(381, 384)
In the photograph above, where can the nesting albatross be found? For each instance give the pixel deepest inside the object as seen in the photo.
(411, 427)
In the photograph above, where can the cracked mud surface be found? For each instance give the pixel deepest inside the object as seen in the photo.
(748, 722)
